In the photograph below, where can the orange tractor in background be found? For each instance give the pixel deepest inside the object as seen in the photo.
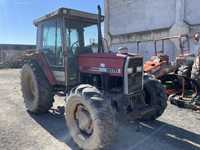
(159, 65)
(181, 79)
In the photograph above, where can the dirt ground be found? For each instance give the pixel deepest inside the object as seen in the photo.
(176, 129)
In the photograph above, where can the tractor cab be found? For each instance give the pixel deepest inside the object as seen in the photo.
(62, 36)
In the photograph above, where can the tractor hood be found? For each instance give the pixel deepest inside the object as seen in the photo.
(104, 63)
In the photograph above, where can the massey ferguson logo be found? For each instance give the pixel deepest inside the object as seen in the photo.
(102, 65)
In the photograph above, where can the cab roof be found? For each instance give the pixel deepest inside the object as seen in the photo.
(70, 14)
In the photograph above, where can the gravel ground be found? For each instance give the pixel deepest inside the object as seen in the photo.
(176, 129)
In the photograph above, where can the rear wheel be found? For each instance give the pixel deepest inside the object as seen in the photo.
(155, 97)
(37, 92)
(89, 118)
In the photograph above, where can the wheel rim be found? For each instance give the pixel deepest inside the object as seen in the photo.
(84, 121)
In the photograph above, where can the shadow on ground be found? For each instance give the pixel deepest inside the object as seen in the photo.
(156, 135)
(54, 123)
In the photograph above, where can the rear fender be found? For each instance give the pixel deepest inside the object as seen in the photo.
(41, 60)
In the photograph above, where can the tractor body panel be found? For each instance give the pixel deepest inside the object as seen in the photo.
(158, 69)
(119, 71)
(102, 63)
(158, 65)
(152, 66)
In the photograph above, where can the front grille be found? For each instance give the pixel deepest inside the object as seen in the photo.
(135, 79)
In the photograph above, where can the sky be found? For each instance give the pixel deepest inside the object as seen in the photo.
(16, 16)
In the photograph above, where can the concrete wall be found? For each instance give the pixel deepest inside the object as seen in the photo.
(140, 15)
(192, 12)
(128, 21)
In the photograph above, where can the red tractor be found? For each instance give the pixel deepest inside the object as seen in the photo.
(99, 86)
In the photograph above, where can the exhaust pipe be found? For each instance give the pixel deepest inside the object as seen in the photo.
(100, 41)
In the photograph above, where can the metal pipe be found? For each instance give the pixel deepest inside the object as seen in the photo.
(100, 42)
(181, 43)
(163, 46)
(159, 39)
(138, 47)
(155, 45)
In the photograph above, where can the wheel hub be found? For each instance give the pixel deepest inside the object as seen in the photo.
(84, 120)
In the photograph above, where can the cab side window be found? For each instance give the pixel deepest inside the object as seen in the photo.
(52, 43)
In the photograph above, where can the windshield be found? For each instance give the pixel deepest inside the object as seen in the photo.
(81, 38)
(91, 35)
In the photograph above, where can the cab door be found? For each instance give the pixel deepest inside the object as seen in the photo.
(73, 43)
(52, 47)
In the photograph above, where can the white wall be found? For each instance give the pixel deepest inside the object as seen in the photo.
(128, 21)
(129, 16)
(192, 12)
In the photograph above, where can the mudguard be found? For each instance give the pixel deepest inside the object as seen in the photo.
(41, 60)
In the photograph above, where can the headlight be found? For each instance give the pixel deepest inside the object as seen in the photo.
(139, 69)
(130, 70)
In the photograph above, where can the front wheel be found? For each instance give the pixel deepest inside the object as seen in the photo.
(155, 97)
(89, 118)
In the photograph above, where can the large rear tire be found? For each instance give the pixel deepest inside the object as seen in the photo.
(155, 97)
(89, 118)
(37, 92)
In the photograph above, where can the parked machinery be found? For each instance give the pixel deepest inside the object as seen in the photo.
(189, 75)
(100, 86)
(159, 64)
(181, 78)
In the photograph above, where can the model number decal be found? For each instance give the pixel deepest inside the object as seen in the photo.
(105, 70)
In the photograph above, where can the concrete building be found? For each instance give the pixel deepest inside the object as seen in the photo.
(10, 52)
(129, 21)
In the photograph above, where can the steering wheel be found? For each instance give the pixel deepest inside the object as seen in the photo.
(73, 45)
